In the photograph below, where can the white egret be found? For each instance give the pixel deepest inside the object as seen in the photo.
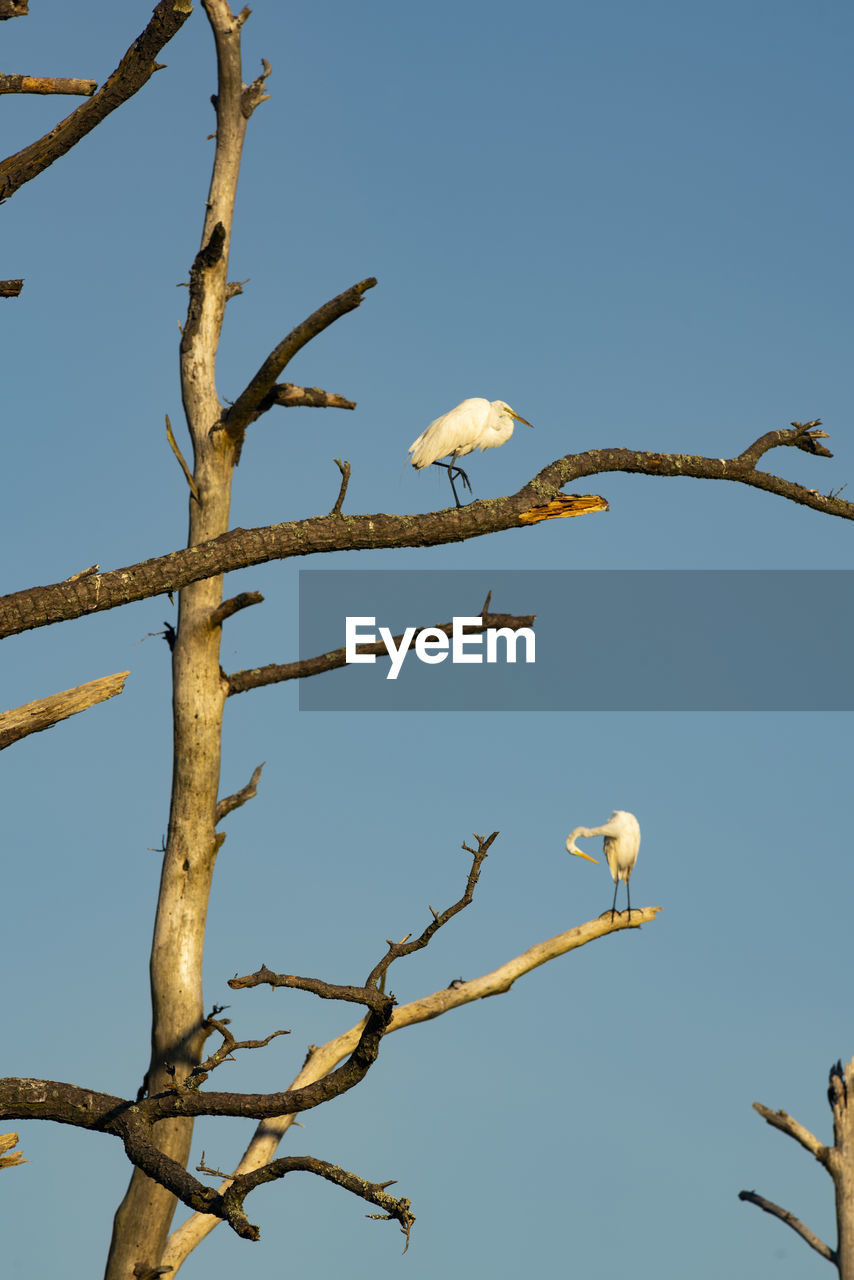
(622, 841)
(474, 424)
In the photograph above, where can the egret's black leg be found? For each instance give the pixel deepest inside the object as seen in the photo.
(614, 903)
(452, 470)
(455, 470)
(465, 478)
(629, 899)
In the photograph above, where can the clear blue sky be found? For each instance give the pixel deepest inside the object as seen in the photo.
(632, 223)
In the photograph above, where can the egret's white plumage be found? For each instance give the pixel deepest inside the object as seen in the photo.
(622, 841)
(474, 424)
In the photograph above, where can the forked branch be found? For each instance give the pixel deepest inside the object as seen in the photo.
(322, 1059)
(394, 1208)
(261, 392)
(225, 1053)
(134, 70)
(134, 1122)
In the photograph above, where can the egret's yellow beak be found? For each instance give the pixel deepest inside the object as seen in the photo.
(519, 418)
(579, 854)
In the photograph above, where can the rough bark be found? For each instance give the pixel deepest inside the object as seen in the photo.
(239, 548)
(47, 84)
(177, 1038)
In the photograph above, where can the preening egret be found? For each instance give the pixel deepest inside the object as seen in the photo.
(622, 841)
(474, 424)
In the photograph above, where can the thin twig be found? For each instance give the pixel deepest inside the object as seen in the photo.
(229, 803)
(83, 573)
(173, 444)
(344, 468)
(233, 605)
(225, 1052)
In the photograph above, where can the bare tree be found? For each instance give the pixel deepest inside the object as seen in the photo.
(156, 1127)
(838, 1161)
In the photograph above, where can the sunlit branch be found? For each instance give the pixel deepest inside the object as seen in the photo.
(238, 548)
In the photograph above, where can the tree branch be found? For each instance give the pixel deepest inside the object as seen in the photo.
(33, 717)
(46, 84)
(134, 70)
(322, 1059)
(791, 1221)
(344, 468)
(372, 1192)
(274, 673)
(229, 607)
(238, 548)
(786, 1124)
(225, 1053)
(239, 798)
(143, 1217)
(227, 1205)
(289, 396)
(371, 994)
(69, 1104)
(13, 9)
(261, 391)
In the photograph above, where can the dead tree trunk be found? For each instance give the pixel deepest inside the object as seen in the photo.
(838, 1160)
(199, 689)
